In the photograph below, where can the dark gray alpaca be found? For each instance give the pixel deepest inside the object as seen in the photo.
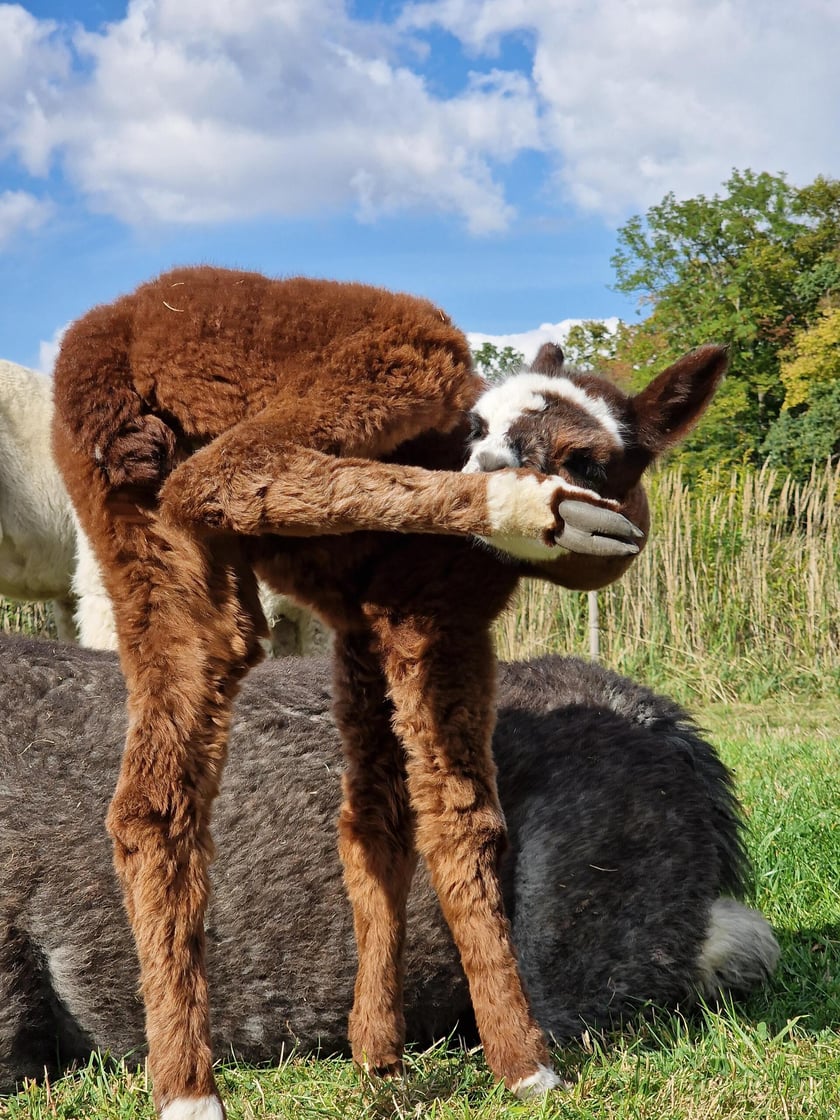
(624, 864)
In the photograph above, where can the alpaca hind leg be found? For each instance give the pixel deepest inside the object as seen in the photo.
(94, 612)
(443, 685)
(188, 625)
(253, 480)
(377, 851)
(64, 616)
(29, 1038)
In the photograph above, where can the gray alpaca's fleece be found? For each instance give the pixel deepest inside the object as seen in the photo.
(624, 833)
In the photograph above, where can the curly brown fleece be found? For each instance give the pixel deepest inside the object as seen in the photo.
(215, 424)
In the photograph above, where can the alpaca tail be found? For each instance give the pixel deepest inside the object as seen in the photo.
(739, 952)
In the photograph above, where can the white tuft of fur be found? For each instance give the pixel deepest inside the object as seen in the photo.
(520, 505)
(501, 406)
(596, 406)
(193, 1108)
(537, 1085)
(94, 611)
(519, 511)
(739, 951)
(523, 548)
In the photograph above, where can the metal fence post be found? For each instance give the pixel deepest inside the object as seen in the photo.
(594, 627)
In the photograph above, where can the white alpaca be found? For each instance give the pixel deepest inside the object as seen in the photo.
(44, 555)
(37, 535)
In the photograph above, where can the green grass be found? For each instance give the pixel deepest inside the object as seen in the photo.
(776, 1056)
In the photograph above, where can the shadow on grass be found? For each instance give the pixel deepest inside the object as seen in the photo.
(806, 984)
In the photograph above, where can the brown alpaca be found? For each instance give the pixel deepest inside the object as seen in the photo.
(218, 424)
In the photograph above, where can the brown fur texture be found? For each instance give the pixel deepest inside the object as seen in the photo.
(215, 424)
(624, 836)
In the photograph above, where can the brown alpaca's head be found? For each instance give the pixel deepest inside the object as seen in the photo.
(567, 422)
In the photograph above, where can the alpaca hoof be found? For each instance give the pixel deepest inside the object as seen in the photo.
(537, 1084)
(534, 519)
(384, 1070)
(193, 1108)
(595, 531)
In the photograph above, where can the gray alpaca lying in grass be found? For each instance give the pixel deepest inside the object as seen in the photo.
(622, 877)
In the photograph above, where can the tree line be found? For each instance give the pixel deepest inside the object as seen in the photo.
(756, 266)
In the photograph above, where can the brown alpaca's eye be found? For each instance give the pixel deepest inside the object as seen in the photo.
(583, 466)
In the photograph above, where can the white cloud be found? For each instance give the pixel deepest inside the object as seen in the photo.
(639, 97)
(529, 342)
(34, 70)
(21, 212)
(206, 112)
(48, 350)
(197, 113)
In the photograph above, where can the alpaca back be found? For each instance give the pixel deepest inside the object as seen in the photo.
(626, 828)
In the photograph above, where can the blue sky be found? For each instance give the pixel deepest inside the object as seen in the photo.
(479, 152)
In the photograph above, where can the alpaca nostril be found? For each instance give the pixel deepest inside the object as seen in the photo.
(488, 461)
(495, 459)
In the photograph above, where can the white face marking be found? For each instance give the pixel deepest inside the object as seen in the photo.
(501, 406)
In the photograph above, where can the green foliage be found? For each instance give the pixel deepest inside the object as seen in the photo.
(813, 358)
(26, 618)
(752, 267)
(590, 344)
(494, 364)
(804, 437)
(807, 430)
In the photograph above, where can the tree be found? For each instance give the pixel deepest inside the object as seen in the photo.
(804, 438)
(751, 267)
(812, 359)
(494, 364)
(590, 344)
(807, 430)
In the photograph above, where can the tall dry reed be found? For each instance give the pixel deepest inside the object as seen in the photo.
(26, 618)
(736, 596)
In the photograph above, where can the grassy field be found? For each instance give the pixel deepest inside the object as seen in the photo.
(735, 609)
(776, 1056)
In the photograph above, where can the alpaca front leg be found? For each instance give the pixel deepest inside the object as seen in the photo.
(444, 704)
(377, 852)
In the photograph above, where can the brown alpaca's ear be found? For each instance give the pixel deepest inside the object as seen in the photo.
(549, 360)
(668, 408)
